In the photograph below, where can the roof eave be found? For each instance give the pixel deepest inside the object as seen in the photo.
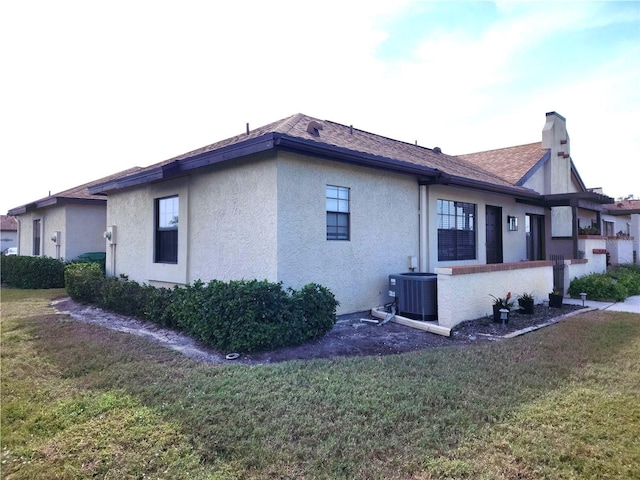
(51, 201)
(619, 212)
(147, 176)
(270, 141)
(21, 210)
(181, 166)
(427, 175)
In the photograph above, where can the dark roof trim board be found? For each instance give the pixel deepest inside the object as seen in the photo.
(272, 141)
(615, 212)
(534, 169)
(74, 196)
(50, 201)
(181, 166)
(575, 173)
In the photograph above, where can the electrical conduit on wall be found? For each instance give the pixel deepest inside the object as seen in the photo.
(423, 236)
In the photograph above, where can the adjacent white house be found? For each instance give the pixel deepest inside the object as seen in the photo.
(8, 232)
(305, 200)
(64, 225)
(621, 226)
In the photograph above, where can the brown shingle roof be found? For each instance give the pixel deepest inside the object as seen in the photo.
(512, 163)
(624, 207)
(354, 140)
(7, 222)
(75, 194)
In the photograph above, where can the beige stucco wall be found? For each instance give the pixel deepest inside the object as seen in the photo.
(265, 218)
(84, 227)
(384, 229)
(25, 234)
(227, 226)
(467, 297)
(53, 219)
(536, 182)
(80, 228)
(132, 213)
(233, 221)
(128, 211)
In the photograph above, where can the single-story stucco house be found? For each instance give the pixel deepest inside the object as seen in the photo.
(64, 225)
(305, 200)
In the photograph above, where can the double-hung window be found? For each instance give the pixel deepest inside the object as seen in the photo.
(337, 213)
(36, 237)
(456, 230)
(166, 226)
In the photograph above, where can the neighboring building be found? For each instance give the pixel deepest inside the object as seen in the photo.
(546, 167)
(621, 226)
(64, 225)
(8, 232)
(303, 200)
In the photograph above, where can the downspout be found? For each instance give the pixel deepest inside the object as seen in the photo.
(423, 236)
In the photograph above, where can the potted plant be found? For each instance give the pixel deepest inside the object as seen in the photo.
(555, 298)
(499, 304)
(525, 302)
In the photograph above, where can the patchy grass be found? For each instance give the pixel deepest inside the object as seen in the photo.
(80, 401)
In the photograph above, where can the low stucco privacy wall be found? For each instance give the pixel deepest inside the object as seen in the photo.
(620, 250)
(464, 293)
(594, 248)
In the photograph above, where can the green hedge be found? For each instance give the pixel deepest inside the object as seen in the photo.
(617, 284)
(31, 272)
(84, 281)
(628, 276)
(241, 315)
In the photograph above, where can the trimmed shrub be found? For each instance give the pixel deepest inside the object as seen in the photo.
(628, 276)
(617, 284)
(598, 286)
(158, 305)
(32, 272)
(122, 296)
(315, 312)
(241, 315)
(84, 281)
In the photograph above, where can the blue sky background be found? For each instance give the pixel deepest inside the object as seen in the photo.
(92, 88)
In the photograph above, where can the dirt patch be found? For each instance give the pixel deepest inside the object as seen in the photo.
(350, 337)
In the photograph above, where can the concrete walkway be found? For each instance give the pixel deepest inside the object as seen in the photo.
(631, 304)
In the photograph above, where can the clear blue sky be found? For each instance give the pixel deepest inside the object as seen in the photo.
(92, 88)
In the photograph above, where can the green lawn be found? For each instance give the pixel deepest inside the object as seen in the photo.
(80, 401)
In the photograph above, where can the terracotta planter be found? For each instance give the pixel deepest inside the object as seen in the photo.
(526, 306)
(555, 301)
